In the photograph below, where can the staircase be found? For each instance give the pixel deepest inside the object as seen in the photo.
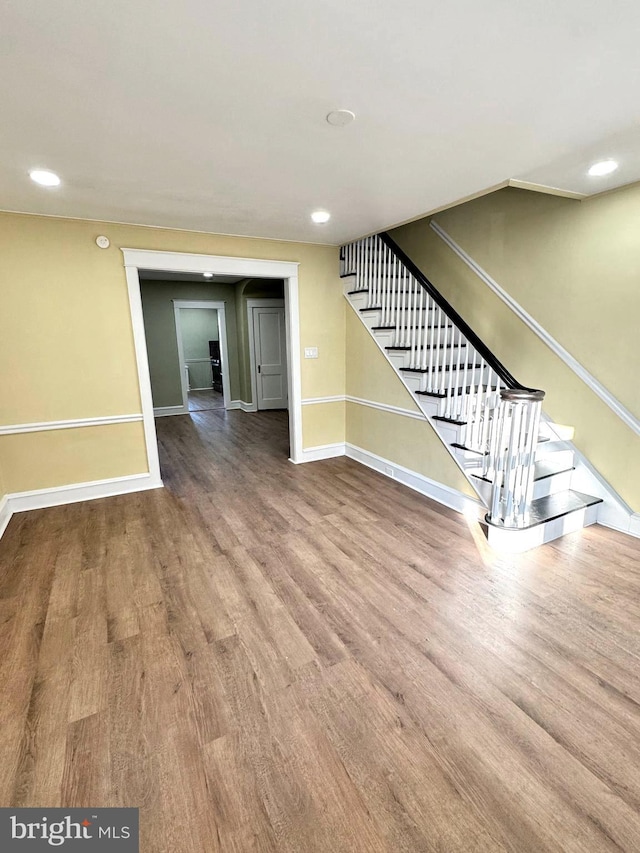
(519, 464)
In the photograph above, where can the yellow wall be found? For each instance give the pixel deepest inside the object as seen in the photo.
(39, 460)
(400, 439)
(575, 267)
(323, 423)
(66, 343)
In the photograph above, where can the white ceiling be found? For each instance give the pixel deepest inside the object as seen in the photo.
(211, 115)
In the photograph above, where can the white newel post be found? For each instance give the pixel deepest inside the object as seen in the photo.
(513, 449)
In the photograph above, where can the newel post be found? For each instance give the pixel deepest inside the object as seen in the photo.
(513, 450)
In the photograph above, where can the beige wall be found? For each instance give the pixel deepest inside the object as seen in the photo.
(323, 423)
(575, 267)
(39, 460)
(403, 440)
(67, 350)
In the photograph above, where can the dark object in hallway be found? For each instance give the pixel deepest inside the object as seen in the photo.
(216, 365)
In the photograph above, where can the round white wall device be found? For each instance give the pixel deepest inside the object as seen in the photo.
(102, 241)
(340, 118)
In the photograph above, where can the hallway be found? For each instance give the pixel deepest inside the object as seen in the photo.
(201, 401)
(314, 659)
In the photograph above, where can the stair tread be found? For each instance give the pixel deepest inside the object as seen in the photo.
(393, 328)
(379, 308)
(541, 438)
(440, 368)
(559, 504)
(542, 469)
(449, 420)
(469, 449)
(454, 392)
(405, 349)
(367, 289)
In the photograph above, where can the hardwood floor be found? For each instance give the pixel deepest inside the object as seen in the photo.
(269, 657)
(201, 401)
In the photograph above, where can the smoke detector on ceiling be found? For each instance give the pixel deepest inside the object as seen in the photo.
(340, 118)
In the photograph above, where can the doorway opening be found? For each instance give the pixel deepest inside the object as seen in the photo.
(267, 353)
(203, 355)
(143, 266)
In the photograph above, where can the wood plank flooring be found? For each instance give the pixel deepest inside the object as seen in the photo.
(309, 659)
(201, 401)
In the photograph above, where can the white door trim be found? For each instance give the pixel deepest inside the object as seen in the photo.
(251, 304)
(210, 304)
(136, 259)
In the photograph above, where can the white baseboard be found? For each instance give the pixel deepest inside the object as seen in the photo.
(321, 451)
(241, 404)
(629, 525)
(164, 411)
(5, 514)
(418, 482)
(73, 493)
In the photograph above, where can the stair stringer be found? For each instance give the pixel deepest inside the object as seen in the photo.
(435, 425)
(614, 511)
(552, 442)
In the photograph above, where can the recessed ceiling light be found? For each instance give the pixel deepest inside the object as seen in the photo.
(44, 177)
(207, 274)
(320, 216)
(340, 118)
(604, 167)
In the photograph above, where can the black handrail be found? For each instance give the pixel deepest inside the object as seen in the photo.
(453, 315)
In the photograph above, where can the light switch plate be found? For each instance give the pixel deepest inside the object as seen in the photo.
(311, 352)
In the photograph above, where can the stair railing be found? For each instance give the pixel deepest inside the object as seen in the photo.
(515, 436)
(456, 368)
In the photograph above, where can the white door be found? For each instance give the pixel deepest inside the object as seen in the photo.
(271, 357)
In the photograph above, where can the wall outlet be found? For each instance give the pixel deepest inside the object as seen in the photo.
(388, 470)
(311, 352)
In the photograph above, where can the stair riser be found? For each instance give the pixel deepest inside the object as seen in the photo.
(450, 433)
(388, 317)
(358, 300)
(398, 360)
(557, 449)
(552, 485)
(372, 319)
(517, 541)
(541, 488)
(418, 381)
(443, 355)
(429, 405)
